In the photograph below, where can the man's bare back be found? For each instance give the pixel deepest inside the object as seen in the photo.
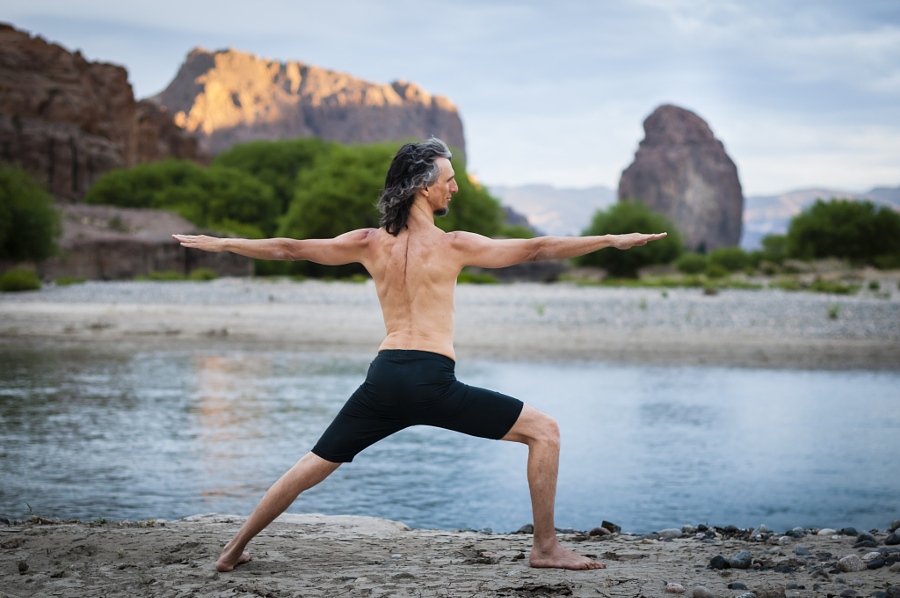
(415, 268)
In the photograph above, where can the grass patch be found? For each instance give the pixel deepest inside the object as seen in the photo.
(18, 280)
(833, 310)
(203, 274)
(64, 281)
(356, 278)
(466, 277)
(832, 286)
(167, 275)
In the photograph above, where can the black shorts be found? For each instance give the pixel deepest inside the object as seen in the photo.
(407, 388)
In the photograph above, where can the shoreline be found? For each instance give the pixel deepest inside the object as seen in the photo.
(317, 555)
(766, 328)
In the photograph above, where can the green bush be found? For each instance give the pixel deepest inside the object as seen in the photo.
(788, 284)
(855, 230)
(630, 217)
(832, 286)
(730, 258)
(167, 275)
(64, 281)
(691, 263)
(203, 274)
(220, 198)
(29, 224)
(774, 249)
(19, 280)
(467, 277)
(716, 271)
(874, 285)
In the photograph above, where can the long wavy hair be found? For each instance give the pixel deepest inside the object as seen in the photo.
(413, 168)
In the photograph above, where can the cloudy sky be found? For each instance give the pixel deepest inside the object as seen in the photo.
(802, 93)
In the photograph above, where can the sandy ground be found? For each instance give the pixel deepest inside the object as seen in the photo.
(766, 328)
(315, 555)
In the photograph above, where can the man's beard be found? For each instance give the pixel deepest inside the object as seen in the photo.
(442, 211)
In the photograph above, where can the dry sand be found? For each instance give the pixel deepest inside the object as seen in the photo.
(315, 555)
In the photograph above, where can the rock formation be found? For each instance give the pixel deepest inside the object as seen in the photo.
(682, 171)
(110, 243)
(67, 121)
(228, 97)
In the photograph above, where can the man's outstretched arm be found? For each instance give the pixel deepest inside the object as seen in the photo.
(485, 252)
(344, 249)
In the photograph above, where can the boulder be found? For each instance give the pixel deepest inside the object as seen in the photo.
(682, 171)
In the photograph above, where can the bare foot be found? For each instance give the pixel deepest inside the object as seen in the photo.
(229, 559)
(561, 558)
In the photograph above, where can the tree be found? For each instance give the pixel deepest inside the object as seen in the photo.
(855, 230)
(632, 217)
(29, 224)
(730, 258)
(276, 163)
(218, 197)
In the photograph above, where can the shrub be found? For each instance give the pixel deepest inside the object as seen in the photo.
(832, 286)
(203, 274)
(356, 278)
(854, 230)
(833, 310)
(788, 284)
(166, 275)
(874, 285)
(730, 258)
(691, 263)
(467, 277)
(219, 198)
(629, 217)
(19, 280)
(64, 281)
(774, 249)
(29, 224)
(716, 271)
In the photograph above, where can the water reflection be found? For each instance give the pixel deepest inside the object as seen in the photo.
(169, 434)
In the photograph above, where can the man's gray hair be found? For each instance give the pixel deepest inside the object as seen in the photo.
(413, 168)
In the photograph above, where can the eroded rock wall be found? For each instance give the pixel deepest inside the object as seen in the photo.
(228, 97)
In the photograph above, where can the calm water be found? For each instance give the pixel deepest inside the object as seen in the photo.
(169, 434)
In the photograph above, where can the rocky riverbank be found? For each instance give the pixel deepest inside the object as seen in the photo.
(754, 328)
(315, 555)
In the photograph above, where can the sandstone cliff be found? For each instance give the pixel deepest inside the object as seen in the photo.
(682, 171)
(68, 121)
(228, 97)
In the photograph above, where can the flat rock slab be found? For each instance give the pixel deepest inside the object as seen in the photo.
(317, 555)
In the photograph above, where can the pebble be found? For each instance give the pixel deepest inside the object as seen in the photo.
(674, 588)
(895, 568)
(486, 530)
(892, 540)
(827, 532)
(875, 564)
(689, 529)
(851, 563)
(526, 529)
(849, 531)
(819, 573)
(651, 536)
(871, 555)
(736, 585)
(565, 530)
(895, 525)
(894, 592)
(802, 551)
(599, 531)
(783, 569)
(702, 592)
(732, 529)
(719, 562)
(747, 595)
(23, 566)
(741, 560)
(762, 528)
(794, 534)
(863, 536)
(865, 544)
(702, 528)
(848, 593)
(396, 556)
(611, 526)
(669, 533)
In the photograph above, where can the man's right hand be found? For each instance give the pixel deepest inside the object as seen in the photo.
(201, 242)
(633, 240)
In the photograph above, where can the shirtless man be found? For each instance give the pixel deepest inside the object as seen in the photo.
(411, 381)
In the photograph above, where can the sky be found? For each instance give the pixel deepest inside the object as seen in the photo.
(802, 93)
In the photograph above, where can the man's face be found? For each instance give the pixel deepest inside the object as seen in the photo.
(439, 193)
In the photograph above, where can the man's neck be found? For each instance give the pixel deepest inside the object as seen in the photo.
(420, 216)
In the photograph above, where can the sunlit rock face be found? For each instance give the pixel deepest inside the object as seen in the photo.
(68, 121)
(228, 97)
(682, 171)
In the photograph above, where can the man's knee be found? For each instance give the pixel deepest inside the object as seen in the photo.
(547, 430)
